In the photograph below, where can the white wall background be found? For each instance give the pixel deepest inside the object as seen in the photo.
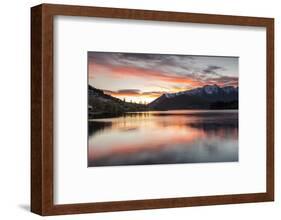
(15, 110)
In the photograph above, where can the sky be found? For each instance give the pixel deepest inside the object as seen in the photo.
(141, 78)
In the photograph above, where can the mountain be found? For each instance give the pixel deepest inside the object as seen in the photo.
(102, 105)
(206, 97)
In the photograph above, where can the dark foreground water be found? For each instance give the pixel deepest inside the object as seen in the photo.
(164, 137)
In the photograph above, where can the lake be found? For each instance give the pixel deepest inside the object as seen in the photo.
(164, 137)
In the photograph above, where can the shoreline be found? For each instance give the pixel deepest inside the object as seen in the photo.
(103, 115)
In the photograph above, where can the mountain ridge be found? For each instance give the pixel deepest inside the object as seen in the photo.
(102, 105)
(206, 97)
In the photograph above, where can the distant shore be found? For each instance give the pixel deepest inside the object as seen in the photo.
(100, 115)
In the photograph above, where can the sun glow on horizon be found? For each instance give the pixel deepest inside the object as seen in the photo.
(142, 78)
(144, 97)
(136, 99)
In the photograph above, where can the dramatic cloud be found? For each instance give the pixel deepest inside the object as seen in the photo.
(132, 74)
(133, 93)
(153, 62)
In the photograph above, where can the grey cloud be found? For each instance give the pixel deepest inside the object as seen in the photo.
(223, 80)
(131, 91)
(212, 69)
(172, 65)
(156, 62)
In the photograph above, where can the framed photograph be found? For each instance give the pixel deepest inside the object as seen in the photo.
(138, 109)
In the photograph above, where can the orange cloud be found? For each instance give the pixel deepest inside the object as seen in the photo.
(123, 72)
(137, 72)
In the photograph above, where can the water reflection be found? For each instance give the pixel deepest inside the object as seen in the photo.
(186, 136)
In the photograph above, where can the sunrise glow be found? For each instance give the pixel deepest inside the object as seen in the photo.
(141, 78)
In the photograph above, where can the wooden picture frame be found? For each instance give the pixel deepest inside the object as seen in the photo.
(42, 121)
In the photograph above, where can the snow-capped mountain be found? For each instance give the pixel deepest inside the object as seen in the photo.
(208, 96)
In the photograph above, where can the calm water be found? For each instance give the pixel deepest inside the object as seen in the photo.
(164, 137)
